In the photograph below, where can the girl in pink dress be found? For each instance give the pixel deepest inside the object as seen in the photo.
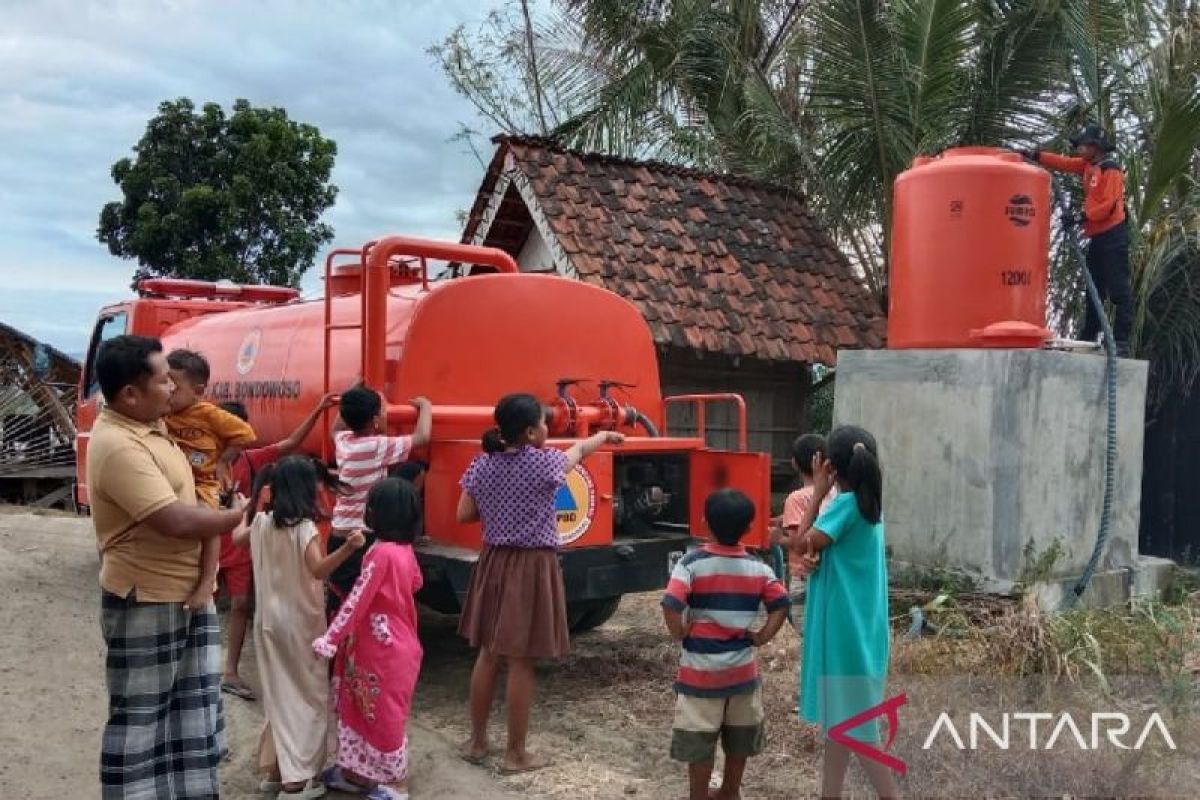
(374, 638)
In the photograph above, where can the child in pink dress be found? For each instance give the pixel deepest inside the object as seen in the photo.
(374, 637)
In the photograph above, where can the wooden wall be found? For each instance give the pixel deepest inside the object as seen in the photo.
(776, 400)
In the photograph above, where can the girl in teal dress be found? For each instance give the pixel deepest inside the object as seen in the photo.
(846, 633)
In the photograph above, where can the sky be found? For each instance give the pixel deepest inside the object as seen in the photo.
(80, 79)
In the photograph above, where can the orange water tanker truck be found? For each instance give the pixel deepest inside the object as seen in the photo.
(624, 515)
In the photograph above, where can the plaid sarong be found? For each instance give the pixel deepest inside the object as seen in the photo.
(166, 731)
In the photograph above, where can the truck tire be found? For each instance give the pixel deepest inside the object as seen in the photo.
(586, 615)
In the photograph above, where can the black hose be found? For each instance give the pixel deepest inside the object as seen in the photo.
(1110, 349)
(647, 423)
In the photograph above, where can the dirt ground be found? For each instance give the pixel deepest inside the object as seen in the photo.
(603, 715)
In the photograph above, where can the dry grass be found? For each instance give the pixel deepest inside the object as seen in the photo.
(604, 715)
(1004, 654)
(1013, 637)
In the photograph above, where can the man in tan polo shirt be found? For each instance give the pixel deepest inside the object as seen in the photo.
(165, 731)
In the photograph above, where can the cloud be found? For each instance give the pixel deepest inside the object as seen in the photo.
(79, 80)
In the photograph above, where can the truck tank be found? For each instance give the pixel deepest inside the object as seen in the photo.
(624, 515)
(463, 342)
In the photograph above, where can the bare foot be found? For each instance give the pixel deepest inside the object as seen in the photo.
(525, 762)
(473, 752)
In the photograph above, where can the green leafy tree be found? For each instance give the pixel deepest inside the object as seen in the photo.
(211, 197)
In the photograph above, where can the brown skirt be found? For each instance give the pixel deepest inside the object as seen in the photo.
(516, 605)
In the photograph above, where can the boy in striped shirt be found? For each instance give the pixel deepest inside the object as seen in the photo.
(711, 601)
(364, 452)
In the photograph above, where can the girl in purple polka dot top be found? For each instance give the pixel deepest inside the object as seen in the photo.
(516, 607)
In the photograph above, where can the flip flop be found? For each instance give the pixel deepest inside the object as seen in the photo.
(385, 793)
(238, 690)
(539, 763)
(334, 779)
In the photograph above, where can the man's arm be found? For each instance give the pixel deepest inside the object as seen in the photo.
(132, 479)
(181, 521)
(210, 556)
(297, 437)
(1061, 163)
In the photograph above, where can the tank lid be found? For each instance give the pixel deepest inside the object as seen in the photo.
(1011, 333)
(994, 152)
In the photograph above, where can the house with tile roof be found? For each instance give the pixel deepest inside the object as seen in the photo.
(741, 287)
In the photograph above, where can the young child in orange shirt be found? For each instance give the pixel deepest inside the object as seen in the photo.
(786, 526)
(211, 438)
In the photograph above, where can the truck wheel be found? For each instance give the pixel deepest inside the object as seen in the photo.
(586, 615)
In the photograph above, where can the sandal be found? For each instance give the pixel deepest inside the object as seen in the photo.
(385, 793)
(238, 690)
(311, 791)
(533, 766)
(334, 779)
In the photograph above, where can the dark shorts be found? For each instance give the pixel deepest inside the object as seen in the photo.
(737, 721)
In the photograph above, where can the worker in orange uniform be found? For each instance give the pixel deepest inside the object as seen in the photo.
(1103, 221)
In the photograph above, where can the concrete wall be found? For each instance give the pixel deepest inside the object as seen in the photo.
(986, 450)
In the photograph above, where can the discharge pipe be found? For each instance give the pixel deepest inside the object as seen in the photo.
(1110, 352)
(377, 282)
(587, 417)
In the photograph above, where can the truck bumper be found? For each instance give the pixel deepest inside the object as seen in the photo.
(589, 573)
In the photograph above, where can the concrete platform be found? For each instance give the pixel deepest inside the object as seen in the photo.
(994, 461)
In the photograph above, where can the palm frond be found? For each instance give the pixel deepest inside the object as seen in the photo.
(1167, 277)
(857, 103)
(1019, 69)
(935, 38)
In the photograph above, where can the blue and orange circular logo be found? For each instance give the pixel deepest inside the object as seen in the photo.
(575, 505)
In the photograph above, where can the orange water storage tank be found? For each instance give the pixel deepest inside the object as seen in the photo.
(970, 249)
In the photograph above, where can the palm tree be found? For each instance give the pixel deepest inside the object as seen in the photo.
(836, 97)
(1157, 109)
